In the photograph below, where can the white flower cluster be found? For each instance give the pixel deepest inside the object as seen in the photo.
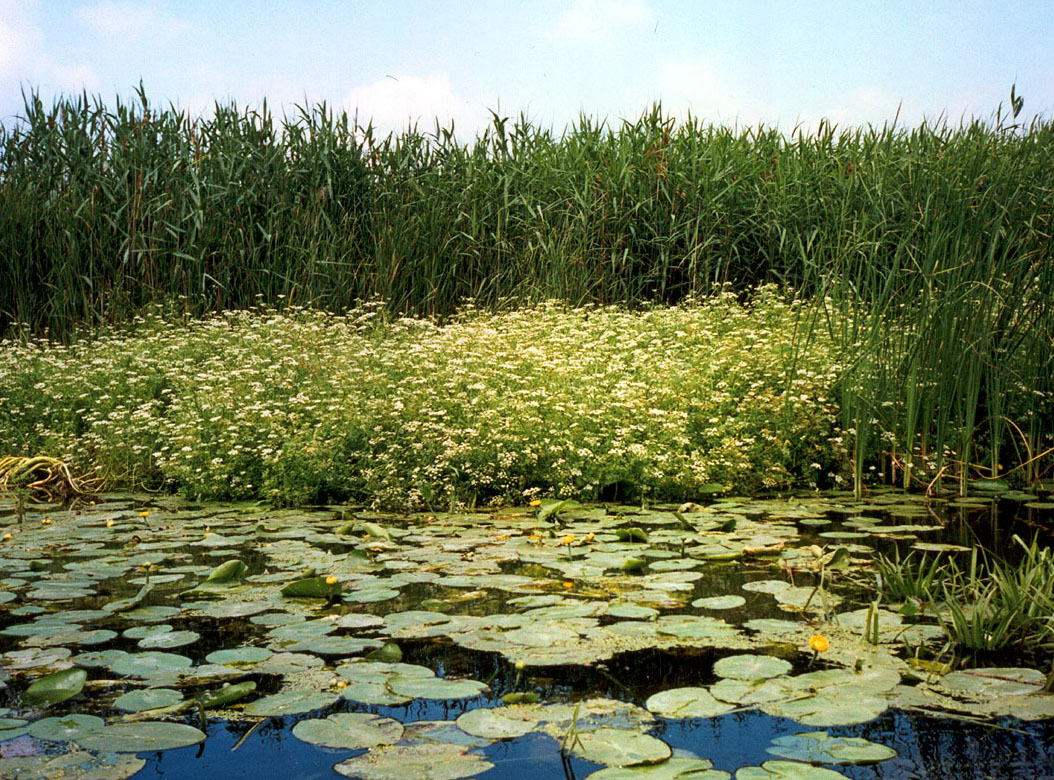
(546, 400)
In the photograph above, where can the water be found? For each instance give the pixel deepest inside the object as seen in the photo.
(461, 558)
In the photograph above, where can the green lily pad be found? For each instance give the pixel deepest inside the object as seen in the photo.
(349, 731)
(312, 588)
(147, 699)
(719, 602)
(141, 737)
(68, 728)
(123, 605)
(229, 571)
(435, 687)
(994, 681)
(78, 764)
(227, 694)
(169, 639)
(751, 667)
(55, 687)
(687, 703)
(499, 722)
(150, 664)
(787, 770)
(239, 656)
(414, 762)
(620, 747)
(290, 703)
(671, 769)
(819, 747)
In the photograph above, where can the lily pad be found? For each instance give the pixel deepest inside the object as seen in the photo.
(687, 703)
(141, 737)
(239, 656)
(751, 667)
(819, 747)
(435, 687)
(414, 762)
(787, 770)
(671, 769)
(68, 728)
(719, 602)
(349, 731)
(290, 703)
(499, 722)
(620, 747)
(78, 764)
(55, 687)
(147, 699)
(994, 681)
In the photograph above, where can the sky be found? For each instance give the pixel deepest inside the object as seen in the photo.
(397, 62)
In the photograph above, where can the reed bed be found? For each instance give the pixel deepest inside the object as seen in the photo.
(925, 252)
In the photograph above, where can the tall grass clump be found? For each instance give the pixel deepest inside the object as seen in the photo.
(592, 402)
(924, 253)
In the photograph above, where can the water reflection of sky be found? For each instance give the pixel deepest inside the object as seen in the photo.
(929, 748)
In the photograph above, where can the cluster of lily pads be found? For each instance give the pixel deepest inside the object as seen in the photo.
(123, 628)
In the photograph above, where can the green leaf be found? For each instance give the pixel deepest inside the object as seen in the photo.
(55, 687)
(141, 737)
(819, 747)
(123, 605)
(349, 731)
(620, 747)
(229, 571)
(312, 588)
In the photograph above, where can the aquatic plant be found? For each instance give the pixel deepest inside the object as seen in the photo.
(548, 401)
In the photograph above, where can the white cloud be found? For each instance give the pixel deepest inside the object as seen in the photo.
(599, 20)
(19, 38)
(395, 102)
(130, 21)
(703, 86)
(74, 78)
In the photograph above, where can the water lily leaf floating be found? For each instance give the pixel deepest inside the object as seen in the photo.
(225, 577)
(313, 588)
(671, 769)
(620, 747)
(787, 770)
(994, 681)
(687, 703)
(79, 764)
(55, 687)
(144, 736)
(499, 722)
(68, 728)
(147, 699)
(819, 747)
(751, 667)
(414, 762)
(349, 731)
(290, 703)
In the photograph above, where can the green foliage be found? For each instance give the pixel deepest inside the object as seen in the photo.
(547, 401)
(987, 605)
(925, 253)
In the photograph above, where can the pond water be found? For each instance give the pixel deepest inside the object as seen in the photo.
(680, 642)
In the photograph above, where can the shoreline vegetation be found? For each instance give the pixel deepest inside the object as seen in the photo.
(235, 306)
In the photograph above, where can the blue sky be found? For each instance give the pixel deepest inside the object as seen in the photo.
(396, 61)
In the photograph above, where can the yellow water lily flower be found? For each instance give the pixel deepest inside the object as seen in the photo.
(568, 539)
(535, 502)
(332, 580)
(819, 643)
(145, 513)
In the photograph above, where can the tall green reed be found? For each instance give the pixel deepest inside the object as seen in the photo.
(926, 250)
